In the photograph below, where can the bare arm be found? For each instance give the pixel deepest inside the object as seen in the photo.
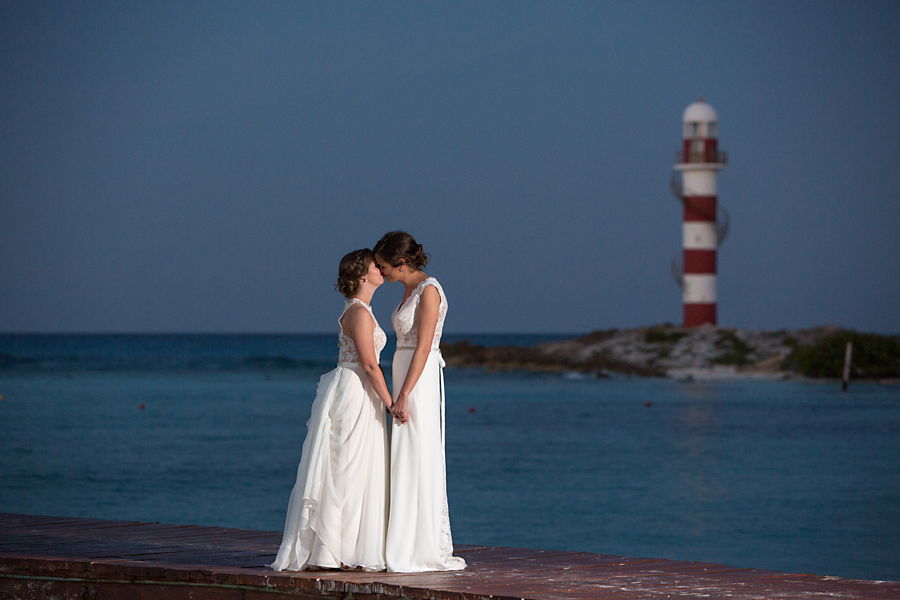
(359, 325)
(426, 322)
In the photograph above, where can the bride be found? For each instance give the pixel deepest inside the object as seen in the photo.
(418, 536)
(338, 509)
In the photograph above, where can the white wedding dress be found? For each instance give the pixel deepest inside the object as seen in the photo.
(418, 537)
(338, 509)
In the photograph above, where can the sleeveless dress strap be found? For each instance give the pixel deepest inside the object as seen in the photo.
(429, 281)
(343, 336)
(350, 302)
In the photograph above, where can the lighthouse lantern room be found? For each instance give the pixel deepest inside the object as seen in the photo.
(699, 161)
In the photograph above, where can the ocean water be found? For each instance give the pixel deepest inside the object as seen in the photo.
(786, 475)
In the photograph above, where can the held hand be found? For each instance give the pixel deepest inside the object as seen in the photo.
(399, 414)
(399, 410)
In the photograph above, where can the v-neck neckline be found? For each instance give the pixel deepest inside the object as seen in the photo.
(402, 304)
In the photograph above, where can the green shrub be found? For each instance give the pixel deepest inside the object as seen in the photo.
(656, 336)
(874, 356)
(736, 351)
(732, 357)
(597, 336)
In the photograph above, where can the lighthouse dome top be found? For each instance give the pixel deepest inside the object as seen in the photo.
(700, 111)
(700, 121)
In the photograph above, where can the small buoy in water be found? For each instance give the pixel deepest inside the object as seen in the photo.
(648, 404)
(2, 398)
(471, 409)
(141, 406)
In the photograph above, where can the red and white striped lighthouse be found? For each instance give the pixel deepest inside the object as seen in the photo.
(699, 161)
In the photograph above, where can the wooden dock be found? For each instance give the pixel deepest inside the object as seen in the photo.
(67, 558)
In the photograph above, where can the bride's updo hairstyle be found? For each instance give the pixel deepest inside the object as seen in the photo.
(353, 267)
(399, 245)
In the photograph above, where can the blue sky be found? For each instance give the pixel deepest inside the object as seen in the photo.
(202, 166)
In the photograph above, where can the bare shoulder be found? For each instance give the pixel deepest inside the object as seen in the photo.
(431, 294)
(356, 314)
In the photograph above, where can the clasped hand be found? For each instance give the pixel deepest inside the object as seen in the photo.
(399, 411)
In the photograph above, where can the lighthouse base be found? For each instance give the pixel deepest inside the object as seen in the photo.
(699, 314)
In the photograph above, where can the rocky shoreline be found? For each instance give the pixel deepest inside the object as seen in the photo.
(700, 353)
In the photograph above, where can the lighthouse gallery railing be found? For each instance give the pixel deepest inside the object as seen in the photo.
(716, 157)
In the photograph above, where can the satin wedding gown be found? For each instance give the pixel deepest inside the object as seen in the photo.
(337, 513)
(418, 537)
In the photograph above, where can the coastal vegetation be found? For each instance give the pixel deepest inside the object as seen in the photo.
(874, 356)
(735, 351)
(707, 351)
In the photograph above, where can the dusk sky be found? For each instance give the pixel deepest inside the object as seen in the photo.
(203, 166)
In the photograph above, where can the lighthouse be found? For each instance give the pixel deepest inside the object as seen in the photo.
(699, 161)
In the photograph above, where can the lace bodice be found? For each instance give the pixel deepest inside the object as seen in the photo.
(404, 318)
(346, 347)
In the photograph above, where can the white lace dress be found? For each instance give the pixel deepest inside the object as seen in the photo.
(418, 537)
(337, 513)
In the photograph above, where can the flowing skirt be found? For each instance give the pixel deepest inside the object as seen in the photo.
(418, 537)
(337, 513)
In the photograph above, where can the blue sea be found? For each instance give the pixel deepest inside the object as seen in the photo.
(207, 429)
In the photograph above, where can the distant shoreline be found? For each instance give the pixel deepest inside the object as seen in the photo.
(702, 353)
